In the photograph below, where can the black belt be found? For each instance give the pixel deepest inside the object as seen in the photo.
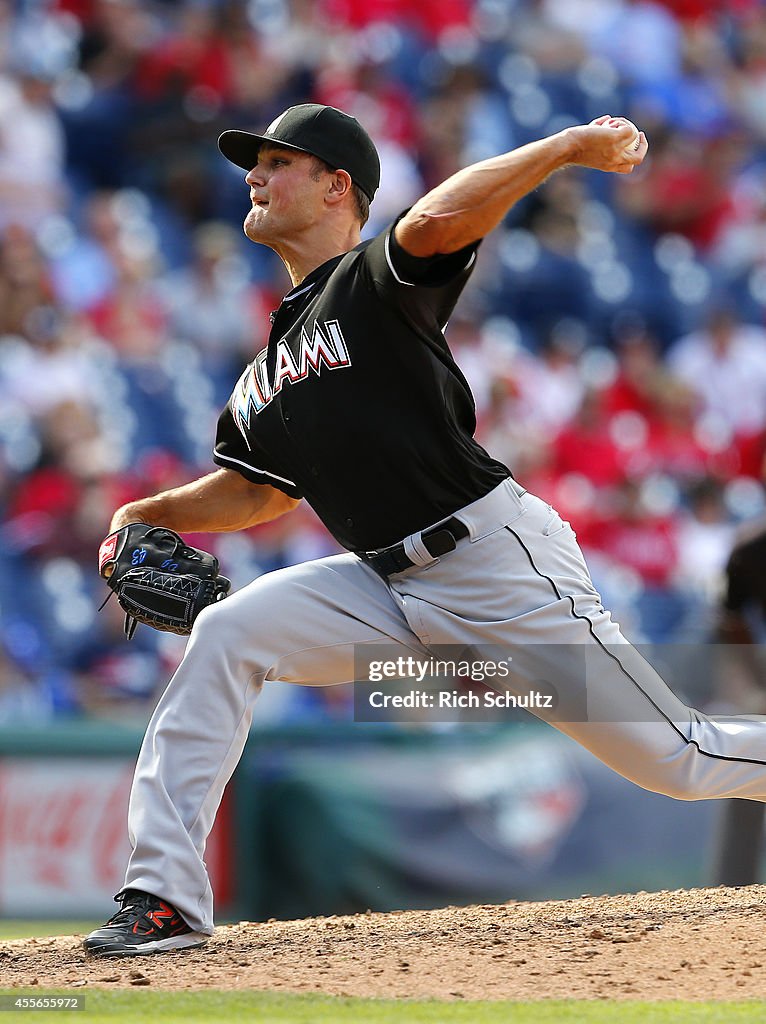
(437, 540)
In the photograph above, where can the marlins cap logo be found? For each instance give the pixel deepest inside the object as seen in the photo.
(274, 124)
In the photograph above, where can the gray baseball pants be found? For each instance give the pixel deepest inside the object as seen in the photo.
(517, 583)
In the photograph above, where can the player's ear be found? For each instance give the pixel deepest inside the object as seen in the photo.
(339, 187)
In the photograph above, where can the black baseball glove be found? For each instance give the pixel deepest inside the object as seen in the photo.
(158, 579)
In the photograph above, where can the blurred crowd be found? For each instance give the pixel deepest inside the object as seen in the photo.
(613, 332)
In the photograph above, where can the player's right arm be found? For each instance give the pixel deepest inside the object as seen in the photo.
(220, 502)
(470, 203)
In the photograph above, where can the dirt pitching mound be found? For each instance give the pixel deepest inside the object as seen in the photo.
(694, 944)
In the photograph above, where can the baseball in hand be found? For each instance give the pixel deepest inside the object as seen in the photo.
(634, 143)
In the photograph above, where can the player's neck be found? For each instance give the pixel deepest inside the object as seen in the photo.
(303, 256)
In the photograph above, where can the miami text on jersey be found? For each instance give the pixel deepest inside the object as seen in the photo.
(325, 347)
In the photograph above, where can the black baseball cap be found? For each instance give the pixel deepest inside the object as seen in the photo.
(326, 132)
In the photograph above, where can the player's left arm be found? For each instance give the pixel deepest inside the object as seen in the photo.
(472, 202)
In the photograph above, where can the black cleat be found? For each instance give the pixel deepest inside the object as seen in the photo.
(145, 924)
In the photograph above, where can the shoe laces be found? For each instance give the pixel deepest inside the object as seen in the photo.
(134, 904)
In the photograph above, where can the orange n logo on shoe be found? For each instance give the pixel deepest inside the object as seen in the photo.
(158, 917)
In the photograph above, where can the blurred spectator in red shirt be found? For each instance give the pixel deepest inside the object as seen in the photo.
(131, 319)
(687, 186)
(675, 446)
(635, 534)
(586, 446)
(640, 370)
(191, 57)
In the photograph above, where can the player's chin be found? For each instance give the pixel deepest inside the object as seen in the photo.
(254, 226)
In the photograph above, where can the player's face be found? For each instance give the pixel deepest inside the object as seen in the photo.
(286, 199)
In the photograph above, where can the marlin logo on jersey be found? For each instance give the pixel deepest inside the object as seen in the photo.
(324, 346)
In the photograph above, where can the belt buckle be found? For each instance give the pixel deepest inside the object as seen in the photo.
(439, 536)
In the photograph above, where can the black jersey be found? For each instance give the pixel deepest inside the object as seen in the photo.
(356, 403)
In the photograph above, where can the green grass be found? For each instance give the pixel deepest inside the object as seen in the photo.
(270, 1008)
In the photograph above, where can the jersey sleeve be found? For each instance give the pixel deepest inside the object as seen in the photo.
(232, 452)
(427, 288)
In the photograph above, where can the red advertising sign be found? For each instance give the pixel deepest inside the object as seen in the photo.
(63, 836)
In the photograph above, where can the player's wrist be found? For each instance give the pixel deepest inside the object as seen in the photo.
(127, 514)
(572, 144)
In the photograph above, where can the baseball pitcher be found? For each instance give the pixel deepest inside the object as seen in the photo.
(357, 406)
